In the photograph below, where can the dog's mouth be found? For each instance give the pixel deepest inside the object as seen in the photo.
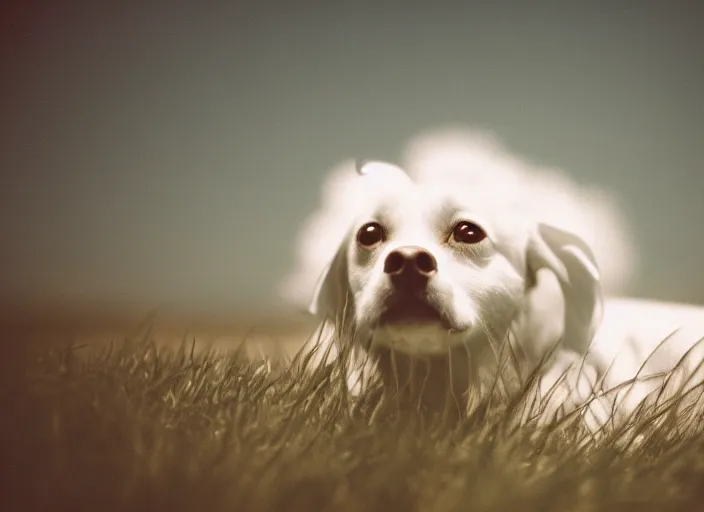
(412, 310)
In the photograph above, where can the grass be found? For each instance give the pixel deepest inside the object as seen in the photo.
(139, 427)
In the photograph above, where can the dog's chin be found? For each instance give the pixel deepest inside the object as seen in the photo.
(417, 338)
(416, 327)
(415, 311)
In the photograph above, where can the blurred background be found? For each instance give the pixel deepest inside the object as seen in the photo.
(163, 154)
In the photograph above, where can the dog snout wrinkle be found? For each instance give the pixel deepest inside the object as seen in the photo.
(410, 266)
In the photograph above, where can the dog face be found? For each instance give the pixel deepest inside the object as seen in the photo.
(424, 273)
(427, 266)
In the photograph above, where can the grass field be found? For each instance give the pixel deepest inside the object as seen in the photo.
(141, 426)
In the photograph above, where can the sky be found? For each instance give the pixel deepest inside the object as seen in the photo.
(166, 152)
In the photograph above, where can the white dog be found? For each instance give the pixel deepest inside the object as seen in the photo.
(443, 267)
(477, 160)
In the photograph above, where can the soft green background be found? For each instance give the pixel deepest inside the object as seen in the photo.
(167, 152)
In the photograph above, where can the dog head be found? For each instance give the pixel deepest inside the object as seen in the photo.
(428, 265)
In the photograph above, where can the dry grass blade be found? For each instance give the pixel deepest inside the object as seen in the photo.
(137, 427)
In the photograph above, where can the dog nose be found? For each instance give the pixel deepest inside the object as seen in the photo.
(410, 266)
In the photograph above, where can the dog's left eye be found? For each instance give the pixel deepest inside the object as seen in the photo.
(466, 232)
(370, 235)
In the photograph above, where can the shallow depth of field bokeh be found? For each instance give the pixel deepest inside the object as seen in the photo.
(156, 161)
(163, 154)
(135, 426)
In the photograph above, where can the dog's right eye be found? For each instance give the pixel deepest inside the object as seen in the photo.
(370, 235)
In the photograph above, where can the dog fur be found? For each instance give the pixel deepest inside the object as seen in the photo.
(532, 282)
(477, 159)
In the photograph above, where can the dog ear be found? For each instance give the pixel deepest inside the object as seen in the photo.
(573, 262)
(332, 289)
